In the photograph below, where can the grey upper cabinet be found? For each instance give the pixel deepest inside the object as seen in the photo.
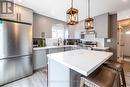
(25, 15)
(21, 14)
(101, 25)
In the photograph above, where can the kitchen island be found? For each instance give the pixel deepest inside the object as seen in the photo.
(81, 61)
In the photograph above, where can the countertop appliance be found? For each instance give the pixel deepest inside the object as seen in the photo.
(15, 51)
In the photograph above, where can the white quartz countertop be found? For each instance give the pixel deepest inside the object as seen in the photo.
(82, 61)
(101, 48)
(51, 47)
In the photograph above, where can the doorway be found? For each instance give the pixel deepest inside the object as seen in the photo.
(124, 40)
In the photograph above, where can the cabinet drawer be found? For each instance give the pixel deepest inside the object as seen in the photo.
(39, 59)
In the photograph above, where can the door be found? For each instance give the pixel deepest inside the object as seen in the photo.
(127, 42)
(120, 45)
(15, 39)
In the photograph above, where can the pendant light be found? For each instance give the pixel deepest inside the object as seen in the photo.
(72, 15)
(89, 21)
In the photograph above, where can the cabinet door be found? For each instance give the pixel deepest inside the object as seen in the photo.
(60, 49)
(101, 25)
(67, 48)
(56, 50)
(26, 15)
(53, 50)
(39, 59)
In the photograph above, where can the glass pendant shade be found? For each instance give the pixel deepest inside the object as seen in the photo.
(89, 23)
(72, 15)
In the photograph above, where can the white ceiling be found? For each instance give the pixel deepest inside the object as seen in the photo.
(57, 8)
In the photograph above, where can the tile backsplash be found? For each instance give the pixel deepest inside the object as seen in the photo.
(91, 37)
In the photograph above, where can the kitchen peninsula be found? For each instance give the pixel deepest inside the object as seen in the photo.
(81, 61)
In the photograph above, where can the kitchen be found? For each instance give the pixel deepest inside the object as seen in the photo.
(51, 36)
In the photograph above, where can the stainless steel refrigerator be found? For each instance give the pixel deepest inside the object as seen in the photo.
(15, 51)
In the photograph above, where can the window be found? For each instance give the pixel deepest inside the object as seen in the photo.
(59, 31)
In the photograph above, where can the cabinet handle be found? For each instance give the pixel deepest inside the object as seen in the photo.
(17, 17)
(20, 17)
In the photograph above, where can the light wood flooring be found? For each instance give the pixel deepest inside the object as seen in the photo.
(127, 73)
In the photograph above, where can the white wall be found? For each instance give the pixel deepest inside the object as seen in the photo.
(125, 14)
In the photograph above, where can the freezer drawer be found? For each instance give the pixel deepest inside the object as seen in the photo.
(15, 68)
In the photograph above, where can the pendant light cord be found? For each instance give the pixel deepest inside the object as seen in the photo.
(88, 8)
(72, 3)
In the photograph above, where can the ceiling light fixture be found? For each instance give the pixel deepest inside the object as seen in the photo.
(72, 15)
(89, 21)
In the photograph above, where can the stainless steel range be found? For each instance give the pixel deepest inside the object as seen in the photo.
(15, 51)
(88, 44)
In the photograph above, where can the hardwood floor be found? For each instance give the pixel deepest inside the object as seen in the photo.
(39, 79)
(127, 72)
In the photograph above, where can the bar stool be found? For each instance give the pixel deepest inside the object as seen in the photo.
(103, 77)
(119, 68)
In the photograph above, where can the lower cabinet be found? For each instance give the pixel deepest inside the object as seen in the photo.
(55, 50)
(67, 48)
(39, 59)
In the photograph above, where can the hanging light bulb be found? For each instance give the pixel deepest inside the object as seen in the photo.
(72, 15)
(89, 21)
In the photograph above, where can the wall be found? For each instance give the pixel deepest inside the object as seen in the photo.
(113, 36)
(124, 14)
(43, 24)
